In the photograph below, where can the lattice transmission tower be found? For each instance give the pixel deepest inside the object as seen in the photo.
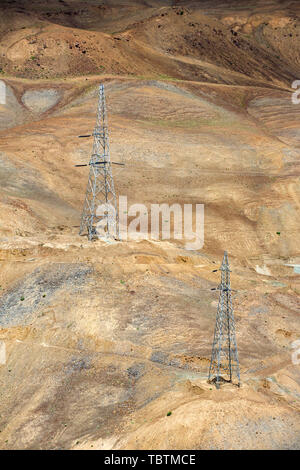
(100, 189)
(224, 364)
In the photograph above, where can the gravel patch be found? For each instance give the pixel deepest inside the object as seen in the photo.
(37, 290)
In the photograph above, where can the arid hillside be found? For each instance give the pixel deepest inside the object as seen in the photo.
(243, 43)
(104, 339)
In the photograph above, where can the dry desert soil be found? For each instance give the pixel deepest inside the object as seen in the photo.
(103, 339)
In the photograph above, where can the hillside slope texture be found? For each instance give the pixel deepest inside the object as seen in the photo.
(106, 345)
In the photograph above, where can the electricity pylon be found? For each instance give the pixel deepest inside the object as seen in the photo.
(100, 189)
(224, 364)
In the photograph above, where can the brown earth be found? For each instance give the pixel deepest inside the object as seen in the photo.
(104, 339)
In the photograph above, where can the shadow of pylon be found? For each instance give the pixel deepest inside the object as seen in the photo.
(218, 381)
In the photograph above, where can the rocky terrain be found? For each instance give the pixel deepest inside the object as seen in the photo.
(104, 340)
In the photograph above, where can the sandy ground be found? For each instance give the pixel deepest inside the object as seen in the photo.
(103, 340)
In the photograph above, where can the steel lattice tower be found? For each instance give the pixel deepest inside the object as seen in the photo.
(224, 363)
(100, 188)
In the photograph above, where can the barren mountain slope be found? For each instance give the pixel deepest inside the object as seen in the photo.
(245, 45)
(104, 339)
